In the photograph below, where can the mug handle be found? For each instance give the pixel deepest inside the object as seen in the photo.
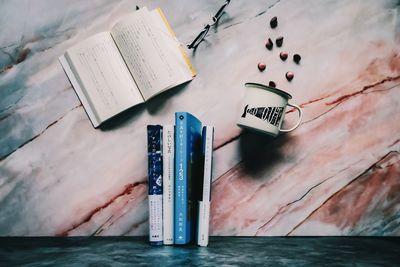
(298, 122)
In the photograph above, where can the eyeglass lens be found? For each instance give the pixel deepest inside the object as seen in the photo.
(204, 32)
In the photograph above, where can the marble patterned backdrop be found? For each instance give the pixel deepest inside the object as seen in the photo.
(337, 174)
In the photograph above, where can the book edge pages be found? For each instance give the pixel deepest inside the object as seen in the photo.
(204, 220)
(204, 204)
(207, 178)
(78, 90)
(185, 57)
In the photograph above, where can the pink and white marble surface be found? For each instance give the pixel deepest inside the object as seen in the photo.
(337, 174)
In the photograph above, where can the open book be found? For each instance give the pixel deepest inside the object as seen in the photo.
(138, 59)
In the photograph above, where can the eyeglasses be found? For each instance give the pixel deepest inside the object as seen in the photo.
(199, 38)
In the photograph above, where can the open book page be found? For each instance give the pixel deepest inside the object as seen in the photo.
(103, 76)
(150, 52)
(174, 50)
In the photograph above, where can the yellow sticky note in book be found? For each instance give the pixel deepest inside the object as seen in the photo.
(185, 57)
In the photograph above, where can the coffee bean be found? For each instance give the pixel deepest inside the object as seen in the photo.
(261, 66)
(272, 84)
(269, 44)
(296, 58)
(279, 41)
(283, 55)
(273, 22)
(289, 76)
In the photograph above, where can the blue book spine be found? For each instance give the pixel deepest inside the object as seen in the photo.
(155, 173)
(187, 141)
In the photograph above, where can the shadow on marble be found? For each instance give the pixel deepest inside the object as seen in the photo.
(154, 106)
(260, 152)
(11, 93)
(123, 118)
(194, 50)
(225, 18)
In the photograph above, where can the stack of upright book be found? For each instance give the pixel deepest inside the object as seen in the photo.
(180, 170)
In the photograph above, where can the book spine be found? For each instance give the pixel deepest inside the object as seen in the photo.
(181, 197)
(155, 172)
(187, 152)
(168, 184)
(204, 203)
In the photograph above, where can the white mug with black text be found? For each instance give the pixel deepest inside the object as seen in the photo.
(263, 109)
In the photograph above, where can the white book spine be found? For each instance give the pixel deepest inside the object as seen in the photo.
(168, 183)
(78, 89)
(204, 204)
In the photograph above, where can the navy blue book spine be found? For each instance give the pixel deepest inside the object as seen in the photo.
(155, 173)
(187, 150)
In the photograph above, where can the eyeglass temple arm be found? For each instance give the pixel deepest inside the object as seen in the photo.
(200, 37)
(204, 32)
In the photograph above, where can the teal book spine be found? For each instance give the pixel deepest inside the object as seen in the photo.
(187, 151)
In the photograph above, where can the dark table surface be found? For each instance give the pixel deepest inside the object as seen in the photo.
(222, 251)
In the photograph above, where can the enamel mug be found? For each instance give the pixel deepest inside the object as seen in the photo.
(263, 109)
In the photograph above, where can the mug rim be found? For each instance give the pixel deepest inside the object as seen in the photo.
(269, 88)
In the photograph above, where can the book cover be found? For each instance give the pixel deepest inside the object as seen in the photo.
(136, 60)
(204, 202)
(187, 150)
(155, 172)
(168, 183)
